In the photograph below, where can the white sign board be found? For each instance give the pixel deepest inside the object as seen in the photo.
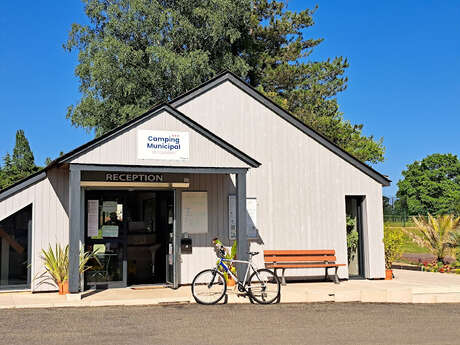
(93, 218)
(110, 231)
(165, 145)
(251, 225)
(109, 207)
(194, 212)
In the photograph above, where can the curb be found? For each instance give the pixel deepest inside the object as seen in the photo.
(358, 296)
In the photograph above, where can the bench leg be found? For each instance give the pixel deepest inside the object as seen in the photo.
(283, 279)
(326, 275)
(336, 278)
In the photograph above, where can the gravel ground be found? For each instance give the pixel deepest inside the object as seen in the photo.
(316, 323)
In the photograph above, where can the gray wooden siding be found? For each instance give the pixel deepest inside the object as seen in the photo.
(50, 222)
(123, 148)
(218, 187)
(301, 185)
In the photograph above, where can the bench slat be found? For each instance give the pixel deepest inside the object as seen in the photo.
(302, 266)
(299, 258)
(299, 252)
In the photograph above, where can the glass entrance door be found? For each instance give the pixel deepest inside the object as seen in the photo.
(106, 234)
(147, 216)
(133, 233)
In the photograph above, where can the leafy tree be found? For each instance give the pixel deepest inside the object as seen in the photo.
(5, 178)
(431, 185)
(137, 53)
(20, 164)
(48, 160)
(457, 205)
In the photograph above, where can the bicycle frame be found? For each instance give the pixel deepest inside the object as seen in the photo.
(247, 274)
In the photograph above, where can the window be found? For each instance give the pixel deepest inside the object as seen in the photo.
(15, 234)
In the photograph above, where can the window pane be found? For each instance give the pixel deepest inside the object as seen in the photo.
(14, 248)
(110, 265)
(110, 220)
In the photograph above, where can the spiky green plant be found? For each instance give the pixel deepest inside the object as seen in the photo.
(56, 263)
(456, 240)
(437, 234)
(85, 257)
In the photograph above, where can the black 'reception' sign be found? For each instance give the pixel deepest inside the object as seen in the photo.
(121, 176)
(133, 177)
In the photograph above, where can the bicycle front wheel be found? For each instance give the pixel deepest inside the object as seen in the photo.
(264, 286)
(209, 287)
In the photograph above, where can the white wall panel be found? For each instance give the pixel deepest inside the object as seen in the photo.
(301, 185)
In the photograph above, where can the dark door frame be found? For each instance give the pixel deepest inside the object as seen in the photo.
(164, 197)
(121, 193)
(122, 238)
(360, 228)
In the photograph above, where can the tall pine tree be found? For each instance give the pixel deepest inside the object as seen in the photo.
(137, 53)
(20, 164)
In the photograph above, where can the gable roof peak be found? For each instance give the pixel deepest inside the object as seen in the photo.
(286, 115)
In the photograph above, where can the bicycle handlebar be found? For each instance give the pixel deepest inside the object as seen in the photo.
(220, 250)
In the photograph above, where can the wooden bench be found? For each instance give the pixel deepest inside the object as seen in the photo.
(286, 259)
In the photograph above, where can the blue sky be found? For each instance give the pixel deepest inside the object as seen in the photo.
(403, 77)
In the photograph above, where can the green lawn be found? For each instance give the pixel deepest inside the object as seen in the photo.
(409, 246)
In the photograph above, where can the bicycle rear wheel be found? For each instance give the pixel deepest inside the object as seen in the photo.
(209, 287)
(264, 286)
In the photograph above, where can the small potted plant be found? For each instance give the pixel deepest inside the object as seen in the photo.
(392, 241)
(230, 256)
(56, 264)
(352, 238)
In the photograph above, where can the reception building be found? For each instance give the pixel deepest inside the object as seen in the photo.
(219, 161)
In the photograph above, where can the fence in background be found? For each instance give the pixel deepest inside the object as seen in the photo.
(398, 220)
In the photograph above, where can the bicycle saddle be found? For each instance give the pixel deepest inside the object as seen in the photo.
(253, 253)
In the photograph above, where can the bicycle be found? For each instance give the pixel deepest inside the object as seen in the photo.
(210, 286)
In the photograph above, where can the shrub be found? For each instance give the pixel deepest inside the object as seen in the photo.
(392, 241)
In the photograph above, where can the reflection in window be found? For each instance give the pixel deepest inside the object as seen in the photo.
(109, 266)
(110, 220)
(15, 232)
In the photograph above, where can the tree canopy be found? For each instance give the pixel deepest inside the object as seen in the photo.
(134, 54)
(431, 185)
(20, 164)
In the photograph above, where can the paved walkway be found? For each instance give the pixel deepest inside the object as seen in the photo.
(407, 287)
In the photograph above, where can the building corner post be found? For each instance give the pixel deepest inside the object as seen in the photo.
(74, 229)
(241, 222)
